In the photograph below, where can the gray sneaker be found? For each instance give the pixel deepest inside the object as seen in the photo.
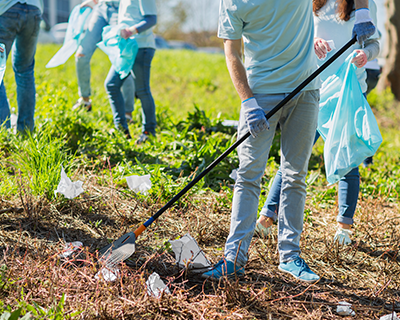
(83, 104)
(143, 137)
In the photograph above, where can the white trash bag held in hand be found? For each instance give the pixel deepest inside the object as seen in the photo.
(73, 36)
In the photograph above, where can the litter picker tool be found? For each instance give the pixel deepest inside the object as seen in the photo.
(122, 248)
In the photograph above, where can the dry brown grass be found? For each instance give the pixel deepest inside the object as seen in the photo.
(33, 232)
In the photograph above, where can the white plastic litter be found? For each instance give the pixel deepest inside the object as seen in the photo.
(155, 286)
(139, 183)
(2, 61)
(108, 274)
(68, 188)
(392, 316)
(188, 253)
(230, 123)
(13, 120)
(71, 247)
(331, 44)
(344, 309)
(233, 174)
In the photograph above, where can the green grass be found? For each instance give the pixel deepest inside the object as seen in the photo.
(193, 94)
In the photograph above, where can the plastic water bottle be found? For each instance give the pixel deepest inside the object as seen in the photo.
(2, 61)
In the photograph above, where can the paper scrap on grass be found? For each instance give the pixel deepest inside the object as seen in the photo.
(71, 247)
(344, 309)
(392, 316)
(139, 183)
(68, 188)
(188, 253)
(155, 286)
(233, 174)
(107, 274)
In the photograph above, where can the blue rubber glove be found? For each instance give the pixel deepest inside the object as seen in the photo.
(363, 25)
(254, 116)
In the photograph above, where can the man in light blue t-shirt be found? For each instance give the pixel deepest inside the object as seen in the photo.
(279, 55)
(19, 22)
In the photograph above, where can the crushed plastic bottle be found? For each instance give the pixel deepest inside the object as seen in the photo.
(344, 309)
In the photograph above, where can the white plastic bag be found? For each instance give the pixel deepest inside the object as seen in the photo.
(73, 36)
(155, 286)
(70, 248)
(68, 188)
(107, 274)
(188, 253)
(139, 183)
(391, 316)
(344, 309)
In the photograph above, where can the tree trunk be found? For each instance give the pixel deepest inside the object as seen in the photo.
(390, 76)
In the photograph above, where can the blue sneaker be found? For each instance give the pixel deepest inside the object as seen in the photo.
(224, 268)
(299, 269)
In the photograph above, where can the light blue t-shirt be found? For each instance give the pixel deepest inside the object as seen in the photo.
(329, 27)
(7, 4)
(278, 41)
(132, 12)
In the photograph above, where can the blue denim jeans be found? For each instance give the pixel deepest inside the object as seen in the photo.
(20, 25)
(113, 83)
(349, 187)
(298, 122)
(103, 15)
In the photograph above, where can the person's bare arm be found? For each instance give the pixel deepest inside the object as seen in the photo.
(361, 4)
(237, 71)
(253, 113)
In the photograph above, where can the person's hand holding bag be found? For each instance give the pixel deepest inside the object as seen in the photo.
(254, 116)
(360, 60)
(128, 32)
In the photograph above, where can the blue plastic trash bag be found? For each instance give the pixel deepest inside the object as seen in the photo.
(346, 123)
(121, 52)
(2, 61)
(73, 36)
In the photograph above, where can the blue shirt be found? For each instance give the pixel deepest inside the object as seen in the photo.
(132, 12)
(7, 4)
(278, 41)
